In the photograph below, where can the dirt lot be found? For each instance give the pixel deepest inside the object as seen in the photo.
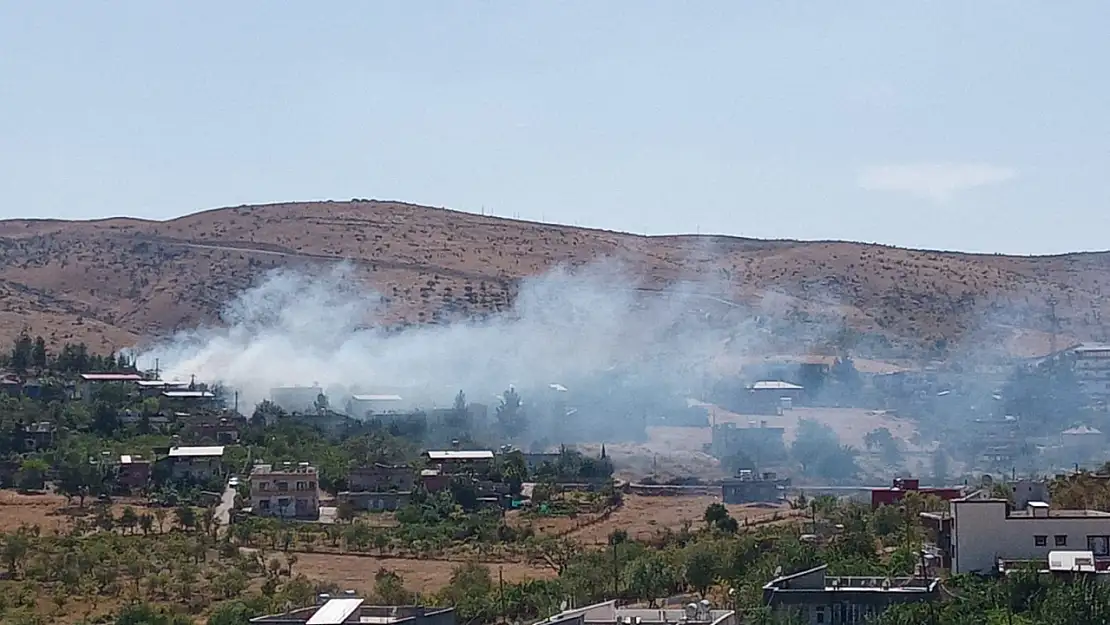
(643, 516)
(425, 576)
(51, 512)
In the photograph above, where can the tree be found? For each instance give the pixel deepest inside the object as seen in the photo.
(389, 588)
(77, 477)
(233, 613)
(186, 517)
(128, 519)
(16, 546)
(21, 356)
(701, 569)
(32, 474)
(146, 522)
(651, 576)
(817, 448)
(510, 414)
(345, 511)
(39, 356)
(714, 514)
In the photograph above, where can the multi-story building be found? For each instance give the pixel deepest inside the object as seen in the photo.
(985, 531)
(1092, 371)
(814, 598)
(607, 613)
(285, 490)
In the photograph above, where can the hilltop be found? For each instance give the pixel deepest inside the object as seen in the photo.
(115, 282)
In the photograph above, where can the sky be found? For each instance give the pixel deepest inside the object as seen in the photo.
(976, 126)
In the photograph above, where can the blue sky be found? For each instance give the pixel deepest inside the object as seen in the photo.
(979, 126)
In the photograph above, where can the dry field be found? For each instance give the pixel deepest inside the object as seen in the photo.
(113, 282)
(643, 517)
(425, 576)
(52, 512)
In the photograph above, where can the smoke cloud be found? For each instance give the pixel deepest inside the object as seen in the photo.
(566, 326)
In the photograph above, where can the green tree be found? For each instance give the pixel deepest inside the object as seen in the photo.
(651, 577)
(389, 588)
(39, 356)
(714, 514)
(128, 519)
(20, 359)
(510, 414)
(32, 474)
(700, 569)
(186, 517)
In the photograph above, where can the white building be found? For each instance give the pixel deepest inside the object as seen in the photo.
(607, 613)
(986, 530)
(365, 406)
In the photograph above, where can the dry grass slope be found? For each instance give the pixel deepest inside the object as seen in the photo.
(112, 282)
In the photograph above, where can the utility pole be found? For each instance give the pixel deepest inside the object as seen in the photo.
(1054, 321)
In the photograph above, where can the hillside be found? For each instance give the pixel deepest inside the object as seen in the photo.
(114, 282)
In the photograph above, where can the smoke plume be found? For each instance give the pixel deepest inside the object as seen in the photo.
(564, 327)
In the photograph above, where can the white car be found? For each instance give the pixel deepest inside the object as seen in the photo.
(233, 482)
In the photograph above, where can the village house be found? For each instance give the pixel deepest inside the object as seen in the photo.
(379, 487)
(985, 531)
(285, 490)
(90, 381)
(368, 406)
(348, 609)
(747, 487)
(607, 613)
(813, 597)
(457, 461)
(196, 463)
(213, 429)
(132, 473)
(380, 477)
(39, 435)
(155, 388)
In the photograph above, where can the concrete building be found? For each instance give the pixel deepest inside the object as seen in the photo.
(132, 473)
(198, 463)
(1026, 491)
(607, 613)
(296, 398)
(368, 406)
(349, 609)
(1092, 371)
(379, 487)
(458, 461)
(762, 444)
(900, 486)
(815, 598)
(285, 490)
(90, 381)
(380, 477)
(747, 487)
(773, 396)
(985, 531)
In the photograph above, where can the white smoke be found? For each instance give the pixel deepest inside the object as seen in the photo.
(302, 328)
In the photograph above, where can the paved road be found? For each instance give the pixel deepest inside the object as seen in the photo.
(223, 511)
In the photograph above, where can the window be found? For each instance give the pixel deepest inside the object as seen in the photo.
(302, 485)
(1061, 540)
(820, 615)
(1040, 541)
(283, 486)
(1099, 545)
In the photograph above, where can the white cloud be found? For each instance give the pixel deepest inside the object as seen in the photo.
(935, 181)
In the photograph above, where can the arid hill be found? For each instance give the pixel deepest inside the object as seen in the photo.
(115, 282)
